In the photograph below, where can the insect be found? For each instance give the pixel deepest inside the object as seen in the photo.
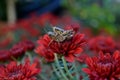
(60, 35)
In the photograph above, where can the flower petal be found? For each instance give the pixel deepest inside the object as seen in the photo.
(69, 58)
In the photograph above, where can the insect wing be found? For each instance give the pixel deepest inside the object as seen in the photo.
(68, 34)
(51, 34)
(60, 38)
(57, 30)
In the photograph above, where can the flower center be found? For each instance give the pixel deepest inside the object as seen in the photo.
(105, 62)
(15, 74)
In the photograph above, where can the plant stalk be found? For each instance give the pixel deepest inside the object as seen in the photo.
(58, 65)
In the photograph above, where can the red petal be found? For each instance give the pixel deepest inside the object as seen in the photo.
(116, 55)
(78, 50)
(86, 70)
(69, 58)
(101, 54)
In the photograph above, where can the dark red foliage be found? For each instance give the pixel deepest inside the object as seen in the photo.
(69, 48)
(103, 67)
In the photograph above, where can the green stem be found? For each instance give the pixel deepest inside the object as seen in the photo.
(77, 76)
(14, 58)
(55, 70)
(66, 68)
(58, 65)
(42, 77)
(29, 55)
(86, 78)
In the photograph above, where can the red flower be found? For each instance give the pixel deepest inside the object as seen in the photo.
(118, 46)
(74, 26)
(103, 67)
(68, 48)
(28, 45)
(4, 55)
(17, 51)
(101, 43)
(20, 48)
(12, 71)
